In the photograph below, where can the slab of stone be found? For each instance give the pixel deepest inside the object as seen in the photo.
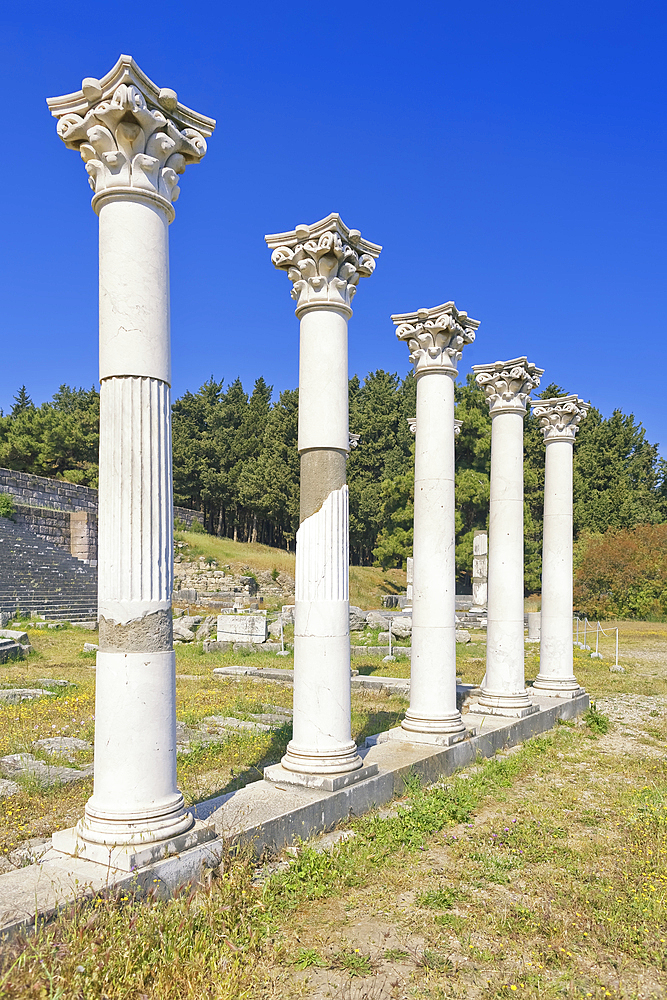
(10, 650)
(8, 788)
(242, 628)
(26, 765)
(14, 696)
(380, 650)
(90, 647)
(382, 685)
(56, 682)
(213, 646)
(278, 775)
(16, 636)
(63, 746)
(462, 635)
(225, 722)
(272, 720)
(29, 852)
(357, 619)
(378, 620)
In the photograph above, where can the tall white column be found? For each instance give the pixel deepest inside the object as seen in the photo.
(507, 385)
(559, 419)
(134, 139)
(436, 338)
(324, 262)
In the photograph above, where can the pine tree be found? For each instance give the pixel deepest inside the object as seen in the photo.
(22, 402)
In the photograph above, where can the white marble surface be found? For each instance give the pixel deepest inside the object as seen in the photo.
(559, 419)
(507, 387)
(240, 628)
(435, 338)
(135, 140)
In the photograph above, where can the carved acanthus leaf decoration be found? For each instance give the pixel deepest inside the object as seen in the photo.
(124, 143)
(412, 425)
(559, 417)
(436, 337)
(508, 384)
(323, 270)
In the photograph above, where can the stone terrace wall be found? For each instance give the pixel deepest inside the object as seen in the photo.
(38, 491)
(63, 513)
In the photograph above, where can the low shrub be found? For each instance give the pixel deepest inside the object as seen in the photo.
(623, 574)
(7, 508)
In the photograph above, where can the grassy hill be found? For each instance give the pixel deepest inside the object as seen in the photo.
(368, 584)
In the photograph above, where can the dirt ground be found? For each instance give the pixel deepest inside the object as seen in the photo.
(476, 915)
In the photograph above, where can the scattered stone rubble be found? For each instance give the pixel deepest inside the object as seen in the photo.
(199, 582)
(218, 728)
(401, 625)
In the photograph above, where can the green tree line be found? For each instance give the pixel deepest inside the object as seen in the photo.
(236, 461)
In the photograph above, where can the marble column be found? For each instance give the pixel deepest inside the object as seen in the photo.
(135, 139)
(559, 419)
(436, 338)
(507, 385)
(324, 262)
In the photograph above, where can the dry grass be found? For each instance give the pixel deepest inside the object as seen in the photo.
(368, 585)
(539, 874)
(209, 769)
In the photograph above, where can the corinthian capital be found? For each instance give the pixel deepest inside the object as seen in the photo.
(324, 262)
(560, 417)
(508, 384)
(436, 337)
(131, 134)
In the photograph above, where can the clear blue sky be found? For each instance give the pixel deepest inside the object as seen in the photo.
(508, 156)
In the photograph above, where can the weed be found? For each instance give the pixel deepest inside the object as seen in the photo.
(354, 963)
(395, 954)
(309, 957)
(596, 721)
(437, 899)
(434, 960)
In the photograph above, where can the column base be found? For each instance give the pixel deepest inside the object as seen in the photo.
(128, 857)
(429, 739)
(551, 687)
(448, 725)
(301, 760)
(276, 774)
(514, 706)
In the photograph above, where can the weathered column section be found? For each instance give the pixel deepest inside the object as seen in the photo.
(436, 338)
(134, 139)
(324, 262)
(559, 419)
(480, 568)
(507, 385)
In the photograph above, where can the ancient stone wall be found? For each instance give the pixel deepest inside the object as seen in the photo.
(63, 513)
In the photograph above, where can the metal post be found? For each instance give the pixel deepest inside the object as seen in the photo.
(616, 647)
